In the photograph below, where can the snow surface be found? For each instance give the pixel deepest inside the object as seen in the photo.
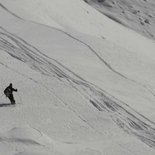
(135, 14)
(85, 83)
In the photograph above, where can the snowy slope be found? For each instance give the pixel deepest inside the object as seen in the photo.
(135, 14)
(75, 95)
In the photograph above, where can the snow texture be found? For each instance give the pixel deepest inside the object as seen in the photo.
(85, 82)
(135, 14)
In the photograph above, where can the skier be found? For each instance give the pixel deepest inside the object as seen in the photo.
(9, 93)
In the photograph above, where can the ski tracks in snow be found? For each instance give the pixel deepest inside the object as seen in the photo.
(124, 116)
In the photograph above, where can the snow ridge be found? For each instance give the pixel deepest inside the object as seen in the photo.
(2, 6)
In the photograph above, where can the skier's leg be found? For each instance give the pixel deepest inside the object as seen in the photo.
(12, 99)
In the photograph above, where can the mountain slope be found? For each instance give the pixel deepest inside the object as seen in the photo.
(74, 88)
(135, 14)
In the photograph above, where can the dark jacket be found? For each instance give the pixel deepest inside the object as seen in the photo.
(9, 90)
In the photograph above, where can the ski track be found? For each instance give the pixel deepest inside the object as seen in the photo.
(107, 64)
(82, 42)
(18, 140)
(2, 6)
(124, 116)
(99, 57)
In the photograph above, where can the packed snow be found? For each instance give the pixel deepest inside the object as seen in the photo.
(85, 82)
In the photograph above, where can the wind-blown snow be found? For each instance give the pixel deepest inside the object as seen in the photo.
(135, 14)
(84, 85)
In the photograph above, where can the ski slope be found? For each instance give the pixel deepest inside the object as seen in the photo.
(85, 83)
(135, 14)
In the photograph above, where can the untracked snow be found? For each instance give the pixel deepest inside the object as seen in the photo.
(85, 83)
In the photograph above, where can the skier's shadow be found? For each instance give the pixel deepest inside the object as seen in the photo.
(5, 104)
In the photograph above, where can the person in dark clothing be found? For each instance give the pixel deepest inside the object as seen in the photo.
(9, 93)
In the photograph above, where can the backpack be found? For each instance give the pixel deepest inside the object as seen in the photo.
(7, 92)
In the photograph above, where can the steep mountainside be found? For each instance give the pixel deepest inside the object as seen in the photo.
(138, 15)
(85, 83)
